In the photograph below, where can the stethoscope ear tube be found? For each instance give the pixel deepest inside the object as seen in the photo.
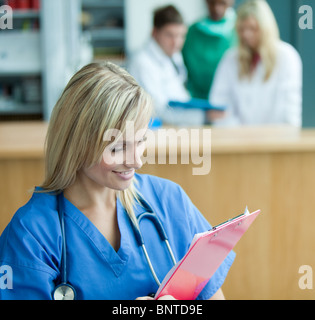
(150, 265)
(151, 215)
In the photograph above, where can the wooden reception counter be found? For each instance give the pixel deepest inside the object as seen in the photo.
(272, 169)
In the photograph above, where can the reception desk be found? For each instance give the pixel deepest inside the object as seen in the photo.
(272, 169)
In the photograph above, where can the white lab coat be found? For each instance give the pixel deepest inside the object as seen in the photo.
(155, 72)
(255, 102)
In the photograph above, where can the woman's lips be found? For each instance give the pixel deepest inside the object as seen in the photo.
(125, 175)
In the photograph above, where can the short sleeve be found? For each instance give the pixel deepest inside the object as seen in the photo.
(29, 257)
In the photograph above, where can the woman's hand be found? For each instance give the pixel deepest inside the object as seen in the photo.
(166, 297)
(145, 298)
(213, 115)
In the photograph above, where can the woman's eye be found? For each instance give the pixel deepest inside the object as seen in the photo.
(118, 149)
(124, 146)
(142, 140)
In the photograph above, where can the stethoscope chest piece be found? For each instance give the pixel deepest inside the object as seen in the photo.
(64, 291)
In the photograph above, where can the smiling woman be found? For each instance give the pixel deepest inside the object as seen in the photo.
(97, 99)
(80, 229)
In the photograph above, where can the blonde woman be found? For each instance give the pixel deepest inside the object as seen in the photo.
(75, 237)
(260, 82)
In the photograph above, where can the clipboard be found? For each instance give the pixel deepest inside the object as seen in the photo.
(195, 103)
(206, 253)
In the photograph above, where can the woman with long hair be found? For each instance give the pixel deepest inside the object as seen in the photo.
(75, 237)
(260, 81)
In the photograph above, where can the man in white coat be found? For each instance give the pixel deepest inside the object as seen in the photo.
(160, 70)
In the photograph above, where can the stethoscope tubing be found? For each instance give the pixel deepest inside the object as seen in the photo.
(150, 263)
(65, 291)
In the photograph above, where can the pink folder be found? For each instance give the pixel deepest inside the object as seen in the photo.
(206, 253)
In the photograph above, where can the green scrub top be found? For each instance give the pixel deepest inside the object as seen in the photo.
(206, 42)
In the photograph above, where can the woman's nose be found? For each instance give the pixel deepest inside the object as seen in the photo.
(133, 157)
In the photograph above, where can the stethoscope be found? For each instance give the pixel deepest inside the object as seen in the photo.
(64, 290)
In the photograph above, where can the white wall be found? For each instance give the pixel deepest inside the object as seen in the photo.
(139, 16)
(60, 42)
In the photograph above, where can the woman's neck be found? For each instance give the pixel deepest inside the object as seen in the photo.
(86, 194)
(98, 204)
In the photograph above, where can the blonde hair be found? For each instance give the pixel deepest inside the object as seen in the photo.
(269, 36)
(98, 97)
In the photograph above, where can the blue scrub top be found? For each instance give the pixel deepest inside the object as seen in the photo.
(31, 246)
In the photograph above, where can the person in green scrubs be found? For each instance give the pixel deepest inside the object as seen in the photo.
(206, 42)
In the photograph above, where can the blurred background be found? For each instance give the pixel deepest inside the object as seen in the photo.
(271, 168)
(52, 39)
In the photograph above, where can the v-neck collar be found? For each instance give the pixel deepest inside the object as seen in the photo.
(116, 260)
